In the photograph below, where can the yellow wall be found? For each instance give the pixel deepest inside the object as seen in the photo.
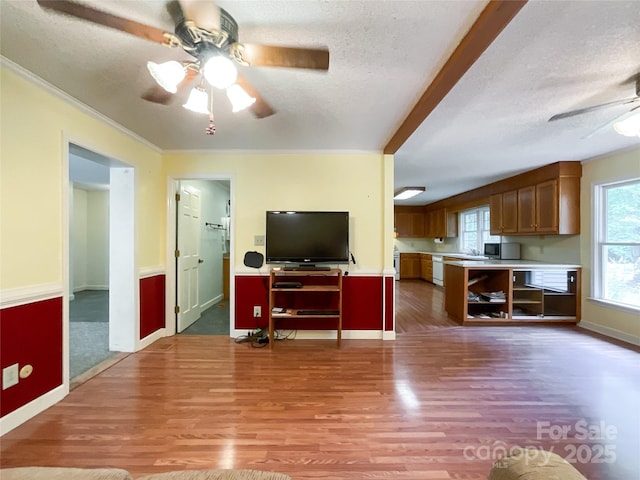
(317, 181)
(33, 127)
(606, 169)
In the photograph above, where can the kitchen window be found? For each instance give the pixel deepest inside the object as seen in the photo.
(616, 244)
(475, 230)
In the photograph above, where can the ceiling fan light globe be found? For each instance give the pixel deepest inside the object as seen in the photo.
(220, 72)
(198, 101)
(629, 127)
(239, 98)
(168, 74)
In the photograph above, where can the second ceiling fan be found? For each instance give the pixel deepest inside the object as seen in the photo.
(209, 34)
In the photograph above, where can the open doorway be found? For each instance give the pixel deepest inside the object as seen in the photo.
(91, 260)
(203, 222)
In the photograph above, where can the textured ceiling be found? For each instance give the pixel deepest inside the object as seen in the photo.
(554, 56)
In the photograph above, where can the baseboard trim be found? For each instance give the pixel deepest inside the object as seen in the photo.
(610, 332)
(91, 287)
(14, 297)
(152, 337)
(31, 409)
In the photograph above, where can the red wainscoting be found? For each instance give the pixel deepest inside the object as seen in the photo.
(152, 304)
(389, 295)
(361, 304)
(31, 334)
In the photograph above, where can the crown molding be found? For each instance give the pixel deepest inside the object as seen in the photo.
(39, 82)
(272, 152)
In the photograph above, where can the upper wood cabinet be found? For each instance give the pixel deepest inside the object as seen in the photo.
(551, 207)
(547, 206)
(504, 213)
(439, 223)
(409, 224)
(527, 209)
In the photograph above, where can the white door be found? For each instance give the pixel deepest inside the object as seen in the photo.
(188, 260)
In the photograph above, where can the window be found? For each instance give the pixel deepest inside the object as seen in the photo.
(617, 243)
(475, 230)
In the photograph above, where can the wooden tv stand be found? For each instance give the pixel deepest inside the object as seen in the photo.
(318, 295)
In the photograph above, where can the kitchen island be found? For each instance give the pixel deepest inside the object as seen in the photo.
(511, 292)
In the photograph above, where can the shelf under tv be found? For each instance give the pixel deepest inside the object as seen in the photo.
(306, 268)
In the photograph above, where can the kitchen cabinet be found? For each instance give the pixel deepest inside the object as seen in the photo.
(531, 293)
(545, 294)
(426, 267)
(547, 205)
(440, 224)
(504, 213)
(527, 209)
(409, 224)
(551, 207)
(409, 266)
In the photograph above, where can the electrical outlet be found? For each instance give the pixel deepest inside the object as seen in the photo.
(257, 311)
(258, 240)
(10, 376)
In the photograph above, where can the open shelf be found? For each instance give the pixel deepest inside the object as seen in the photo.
(319, 291)
(533, 295)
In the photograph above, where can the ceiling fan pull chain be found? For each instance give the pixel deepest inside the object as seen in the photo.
(211, 129)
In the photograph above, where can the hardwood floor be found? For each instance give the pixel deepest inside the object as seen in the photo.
(437, 403)
(420, 307)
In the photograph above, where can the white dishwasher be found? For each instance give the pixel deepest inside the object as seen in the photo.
(438, 270)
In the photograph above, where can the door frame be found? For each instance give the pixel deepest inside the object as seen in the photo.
(122, 255)
(173, 187)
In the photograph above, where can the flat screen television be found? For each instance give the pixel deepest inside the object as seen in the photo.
(307, 238)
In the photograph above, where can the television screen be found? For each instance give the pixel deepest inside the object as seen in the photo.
(307, 237)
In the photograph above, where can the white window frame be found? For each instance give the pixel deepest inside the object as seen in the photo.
(480, 213)
(598, 227)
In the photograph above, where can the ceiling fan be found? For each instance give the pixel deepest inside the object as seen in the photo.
(209, 34)
(627, 124)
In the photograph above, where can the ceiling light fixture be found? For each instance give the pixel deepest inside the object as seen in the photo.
(408, 192)
(239, 98)
(629, 126)
(220, 72)
(198, 100)
(167, 74)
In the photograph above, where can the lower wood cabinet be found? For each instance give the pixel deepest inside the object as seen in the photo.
(541, 294)
(409, 266)
(426, 267)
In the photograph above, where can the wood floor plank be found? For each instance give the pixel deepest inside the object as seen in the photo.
(416, 408)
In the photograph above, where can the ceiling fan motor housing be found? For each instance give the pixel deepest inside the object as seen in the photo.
(229, 26)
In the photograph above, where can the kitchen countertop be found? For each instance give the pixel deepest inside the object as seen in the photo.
(509, 264)
(462, 256)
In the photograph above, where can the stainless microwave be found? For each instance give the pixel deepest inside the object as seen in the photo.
(502, 251)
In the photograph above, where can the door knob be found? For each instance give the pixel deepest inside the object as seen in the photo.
(200, 260)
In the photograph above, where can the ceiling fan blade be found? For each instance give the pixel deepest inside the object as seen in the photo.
(609, 125)
(106, 19)
(157, 94)
(260, 108)
(291, 57)
(580, 111)
(204, 13)
(175, 11)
